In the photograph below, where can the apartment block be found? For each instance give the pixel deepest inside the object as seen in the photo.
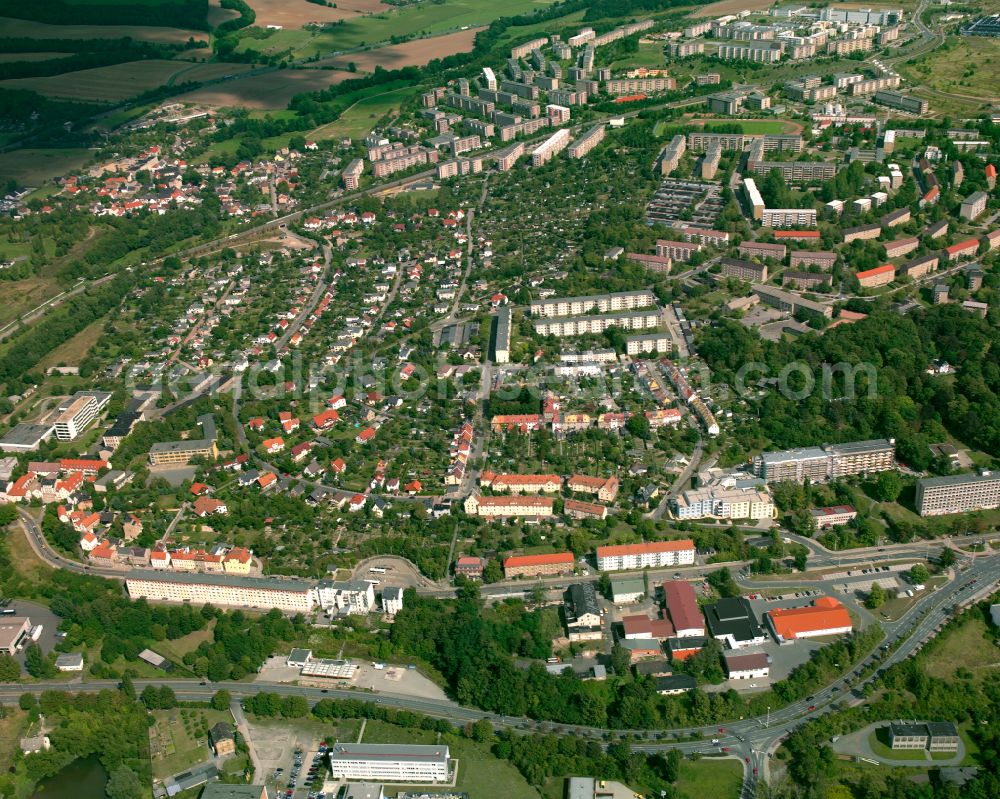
(549, 148)
(760, 249)
(744, 270)
(958, 493)
(507, 158)
(757, 53)
(579, 325)
(602, 303)
(715, 238)
(871, 85)
(404, 159)
(796, 171)
(861, 233)
(824, 260)
(506, 507)
(754, 199)
(525, 49)
(803, 280)
(677, 250)
(521, 483)
(894, 218)
(621, 86)
(710, 162)
(587, 142)
(971, 207)
(919, 267)
(903, 102)
(788, 217)
(901, 247)
(523, 128)
(685, 49)
(652, 342)
(351, 176)
(288, 594)
(786, 301)
(879, 276)
(652, 555)
(827, 462)
(670, 156)
(457, 167)
(963, 249)
(538, 565)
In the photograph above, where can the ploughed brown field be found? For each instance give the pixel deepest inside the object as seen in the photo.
(294, 14)
(414, 53)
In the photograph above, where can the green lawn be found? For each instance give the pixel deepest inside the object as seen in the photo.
(479, 772)
(358, 120)
(179, 738)
(648, 55)
(710, 778)
(968, 647)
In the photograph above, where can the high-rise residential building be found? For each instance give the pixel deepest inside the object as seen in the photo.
(958, 493)
(827, 462)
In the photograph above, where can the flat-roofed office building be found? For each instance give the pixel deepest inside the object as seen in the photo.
(390, 763)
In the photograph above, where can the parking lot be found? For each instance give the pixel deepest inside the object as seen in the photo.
(38, 614)
(290, 755)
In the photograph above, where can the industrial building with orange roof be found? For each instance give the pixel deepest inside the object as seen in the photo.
(826, 616)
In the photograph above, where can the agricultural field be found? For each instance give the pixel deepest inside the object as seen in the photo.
(297, 14)
(32, 167)
(120, 81)
(414, 53)
(268, 91)
(419, 20)
(23, 28)
(730, 7)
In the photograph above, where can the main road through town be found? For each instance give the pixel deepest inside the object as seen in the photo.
(752, 740)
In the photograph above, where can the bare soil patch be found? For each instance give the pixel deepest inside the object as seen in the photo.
(294, 14)
(269, 91)
(414, 53)
(730, 7)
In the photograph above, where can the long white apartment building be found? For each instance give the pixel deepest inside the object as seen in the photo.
(958, 493)
(603, 303)
(758, 53)
(390, 763)
(788, 217)
(827, 462)
(551, 147)
(579, 325)
(754, 198)
(221, 589)
(654, 555)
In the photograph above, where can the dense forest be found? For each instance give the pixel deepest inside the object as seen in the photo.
(166, 13)
(903, 402)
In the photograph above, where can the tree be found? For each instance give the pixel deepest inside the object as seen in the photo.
(604, 585)
(493, 573)
(10, 669)
(638, 426)
(876, 597)
(919, 574)
(946, 558)
(36, 664)
(620, 660)
(888, 486)
(150, 697)
(27, 701)
(124, 784)
(801, 556)
(127, 687)
(482, 731)
(221, 699)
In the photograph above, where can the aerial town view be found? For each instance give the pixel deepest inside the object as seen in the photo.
(526, 399)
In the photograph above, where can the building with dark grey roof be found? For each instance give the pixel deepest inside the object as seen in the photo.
(733, 621)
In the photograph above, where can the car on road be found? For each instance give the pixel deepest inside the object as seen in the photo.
(747, 760)
(812, 708)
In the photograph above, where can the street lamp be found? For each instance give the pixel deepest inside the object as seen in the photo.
(768, 723)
